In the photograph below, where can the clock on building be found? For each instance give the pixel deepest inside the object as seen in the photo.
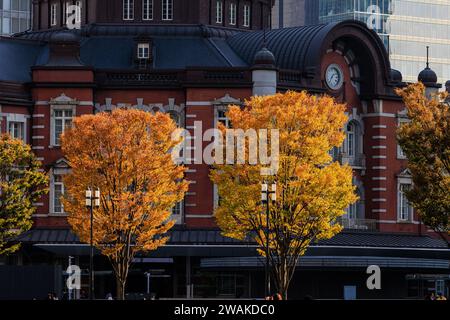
(334, 77)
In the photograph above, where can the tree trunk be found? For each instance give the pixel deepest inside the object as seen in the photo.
(282, 278)
(120, 288)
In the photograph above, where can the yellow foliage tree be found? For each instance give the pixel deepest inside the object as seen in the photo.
(125, 154)
(312, 191)
(425, 140)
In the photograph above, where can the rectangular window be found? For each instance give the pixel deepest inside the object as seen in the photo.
(221, 117)
(350, 141)
(400, 153)
(219, 11)
(232, 13)
(62, 119)
(246, 15)
(147, 10)
(58, 192)
(17, 130)
(53, 11)
(178, 209)
(66, 12)
(167, 9)
(143, 51)
(404, 207)
(128, 9)
(78, 12)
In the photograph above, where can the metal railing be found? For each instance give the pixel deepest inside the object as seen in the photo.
(358, 224)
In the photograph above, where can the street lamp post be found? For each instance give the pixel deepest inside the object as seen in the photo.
(267, 196)
(92, 200)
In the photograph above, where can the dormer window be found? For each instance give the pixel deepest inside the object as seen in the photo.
(246, 15)
(128, 9)
(219, 11)
(143, 51)
(53, 11)
(147, 9)
(78, 12)
(167, 9)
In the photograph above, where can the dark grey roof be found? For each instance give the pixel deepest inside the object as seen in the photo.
(120, 30)
(214, 237)
(113, 47)
(290, 46)
(16, 59)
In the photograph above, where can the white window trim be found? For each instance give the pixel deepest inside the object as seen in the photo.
(400, 154)
(53, 14)
(52, 173)
(150, 10)
(219, 11)
(354, 143)
(215, 196)
(167, 15)
(17, 117)
(52, 122)
(78, 12)
(218, 108)
(403, 181)
(179, 218)
(127, 13)
(143, 45)
(233, 9)
(247, 15)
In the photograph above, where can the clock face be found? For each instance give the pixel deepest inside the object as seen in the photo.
(334, 77)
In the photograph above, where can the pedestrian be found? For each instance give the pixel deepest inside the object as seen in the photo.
(441, 297)
(277, 296)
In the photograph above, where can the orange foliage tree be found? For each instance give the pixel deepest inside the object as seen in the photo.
(312, 191)
(125, 154)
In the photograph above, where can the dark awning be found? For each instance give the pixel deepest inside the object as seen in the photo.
(211, 243)
(331, 261)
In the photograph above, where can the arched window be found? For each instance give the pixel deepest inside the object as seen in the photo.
(350, 141)
(352, 148)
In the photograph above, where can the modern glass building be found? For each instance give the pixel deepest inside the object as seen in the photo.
(405, 26)
(15, 16)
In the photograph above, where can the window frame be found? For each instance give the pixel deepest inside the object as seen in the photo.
(233, 10)
(53, 14)
(167, 10)
(128, 10)
(401, 200)
(147, 10)
(78, 12)
(22, 129)
(53, 199)
(143, 46)
(17, 118)
(247, 15)
(219, 11)
(350, 145)
(179, 217)
(54, 142)
(400, 154)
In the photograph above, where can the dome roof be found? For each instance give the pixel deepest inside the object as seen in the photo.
(396, 76)
(447, 85)
(428, 77)
(265, 58)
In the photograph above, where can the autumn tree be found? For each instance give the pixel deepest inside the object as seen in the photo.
(126, 155)
(312, 191)
(21, 184)
(425, 140)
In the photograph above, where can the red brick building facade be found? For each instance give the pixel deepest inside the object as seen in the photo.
(193, 63)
